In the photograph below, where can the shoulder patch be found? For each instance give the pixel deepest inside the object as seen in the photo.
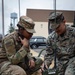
(9, 42)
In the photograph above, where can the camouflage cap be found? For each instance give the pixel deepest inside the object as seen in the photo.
(55, 19)
(27, 23)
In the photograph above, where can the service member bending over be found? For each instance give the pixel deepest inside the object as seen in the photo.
(16, 58)
(62, 39)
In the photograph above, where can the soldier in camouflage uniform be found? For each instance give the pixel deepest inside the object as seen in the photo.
(15, 56)
(62, 39)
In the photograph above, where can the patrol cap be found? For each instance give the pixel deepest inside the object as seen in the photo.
(26, 23)
(55, 19)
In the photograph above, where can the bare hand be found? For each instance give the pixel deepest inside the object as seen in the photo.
(31, 63)
(44, 66)
(25, 42)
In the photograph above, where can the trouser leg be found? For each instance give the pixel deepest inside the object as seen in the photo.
(13, 70)
(70, 69)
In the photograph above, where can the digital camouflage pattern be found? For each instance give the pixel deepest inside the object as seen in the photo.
(15, 55)
(11, 47)
(2, 52)
(27, 23)
(65, 51)
(55, 19)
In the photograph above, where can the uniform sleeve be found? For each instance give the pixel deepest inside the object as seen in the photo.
(29, 55)
(13, 55)
(49, 53)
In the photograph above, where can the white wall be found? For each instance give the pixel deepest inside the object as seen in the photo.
(41, 29)
(69, 23)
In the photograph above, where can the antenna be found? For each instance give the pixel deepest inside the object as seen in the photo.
(3, 17)
(55, 23)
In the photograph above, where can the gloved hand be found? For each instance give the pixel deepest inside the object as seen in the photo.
(44, 67)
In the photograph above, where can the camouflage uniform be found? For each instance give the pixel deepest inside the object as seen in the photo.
(14, 56)
(65, 51)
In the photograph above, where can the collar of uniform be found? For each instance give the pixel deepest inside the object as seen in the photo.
(65, 35)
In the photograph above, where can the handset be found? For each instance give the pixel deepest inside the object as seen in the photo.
(21, 35)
